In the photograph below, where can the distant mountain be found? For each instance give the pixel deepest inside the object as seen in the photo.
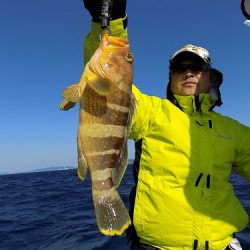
(41, 170)
(130, 161)
(53, 169)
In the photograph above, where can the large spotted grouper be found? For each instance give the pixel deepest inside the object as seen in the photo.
(106, 109)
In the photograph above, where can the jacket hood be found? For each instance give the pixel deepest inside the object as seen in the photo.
(192, 104)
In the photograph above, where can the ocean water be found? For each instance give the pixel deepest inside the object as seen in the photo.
(54, 210)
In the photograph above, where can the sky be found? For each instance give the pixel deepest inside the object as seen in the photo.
(41, 53)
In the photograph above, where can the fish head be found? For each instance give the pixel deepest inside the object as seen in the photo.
(112, 65)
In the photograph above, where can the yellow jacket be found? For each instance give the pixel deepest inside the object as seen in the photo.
(183, 194)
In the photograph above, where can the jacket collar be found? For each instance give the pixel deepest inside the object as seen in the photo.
(192, 104)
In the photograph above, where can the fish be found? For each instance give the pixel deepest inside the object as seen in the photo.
(106, 108)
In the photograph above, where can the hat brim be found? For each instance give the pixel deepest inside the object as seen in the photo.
(185, 55)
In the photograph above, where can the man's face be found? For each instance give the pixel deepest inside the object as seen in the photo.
(189, 80)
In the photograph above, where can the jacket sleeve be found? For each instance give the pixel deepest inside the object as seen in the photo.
(92, 40)
(143, 112)
(242, 159)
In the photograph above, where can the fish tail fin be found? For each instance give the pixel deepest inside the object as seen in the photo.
(111, 214)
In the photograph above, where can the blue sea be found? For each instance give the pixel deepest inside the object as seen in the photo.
(54, 210)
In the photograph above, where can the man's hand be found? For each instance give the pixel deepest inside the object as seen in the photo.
(94, 7)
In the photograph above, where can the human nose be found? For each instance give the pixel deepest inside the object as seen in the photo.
(188, 73)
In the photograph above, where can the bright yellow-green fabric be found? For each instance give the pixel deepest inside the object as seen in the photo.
(170, 210)
(92, 40)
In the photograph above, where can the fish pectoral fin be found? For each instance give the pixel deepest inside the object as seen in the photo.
(72, 93)
(111, 214)
(97, 79)
(82, 163)
(101, 85)
(66, 105)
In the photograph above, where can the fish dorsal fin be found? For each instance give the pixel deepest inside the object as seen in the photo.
(121, 166)
(72, 93)
(122, 163)
(82, 163)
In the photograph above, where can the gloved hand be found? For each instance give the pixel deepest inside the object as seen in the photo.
(94, 7)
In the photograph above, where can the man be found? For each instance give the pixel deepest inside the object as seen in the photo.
(185, 151)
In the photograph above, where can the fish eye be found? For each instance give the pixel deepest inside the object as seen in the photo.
(129, 57)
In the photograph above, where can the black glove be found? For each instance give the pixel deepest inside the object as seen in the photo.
(94, 7)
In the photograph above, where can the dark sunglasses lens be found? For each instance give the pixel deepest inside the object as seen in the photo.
(198, 67)
(180, 68)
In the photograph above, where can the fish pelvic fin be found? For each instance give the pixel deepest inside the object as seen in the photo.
(111, 214)
(71, 96)
(72, 93)
(82, 163)
(66, 105)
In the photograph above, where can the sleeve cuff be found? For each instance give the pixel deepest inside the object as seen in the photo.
(118, 27)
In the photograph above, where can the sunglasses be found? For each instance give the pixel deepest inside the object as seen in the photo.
(196, 68)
